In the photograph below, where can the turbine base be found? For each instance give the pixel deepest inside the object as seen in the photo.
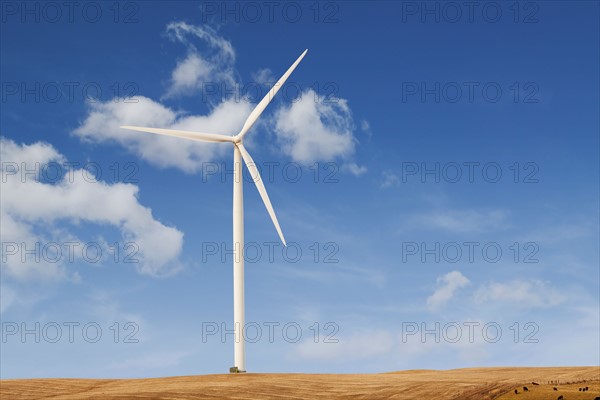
(235, 370)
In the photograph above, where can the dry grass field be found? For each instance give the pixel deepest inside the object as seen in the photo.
(463, 384)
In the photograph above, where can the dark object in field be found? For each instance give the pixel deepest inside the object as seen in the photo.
(555, 389)
(560, 397)
(525, 389)
(536, 384)
(516, 391)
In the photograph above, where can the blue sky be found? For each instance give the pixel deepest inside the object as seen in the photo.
(432, 134)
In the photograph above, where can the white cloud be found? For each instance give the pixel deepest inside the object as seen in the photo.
(389, 179)
(311, 130)
(528, 294)
(448, 285)
(32, 211)
(7, 297)
(33, 154)
(189, 74)
(214, 65)
(103, 121)
(366, 128)
(180, 31)
(354, 168)
(264, 76)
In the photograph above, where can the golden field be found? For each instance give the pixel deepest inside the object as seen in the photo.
(463, 384)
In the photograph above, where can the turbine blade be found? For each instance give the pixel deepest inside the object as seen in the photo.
(267, 99)
(202, 137)
(261, 188)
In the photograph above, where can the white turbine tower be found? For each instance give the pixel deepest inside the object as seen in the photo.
(239, 152)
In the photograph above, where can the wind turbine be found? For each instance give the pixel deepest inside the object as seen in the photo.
(239, 152)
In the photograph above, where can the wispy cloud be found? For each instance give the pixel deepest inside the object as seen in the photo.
(264, 76)
(215, 64)
(522, 293)
(365, 127)
(448, 285)
(389, 179)
(461, 221)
